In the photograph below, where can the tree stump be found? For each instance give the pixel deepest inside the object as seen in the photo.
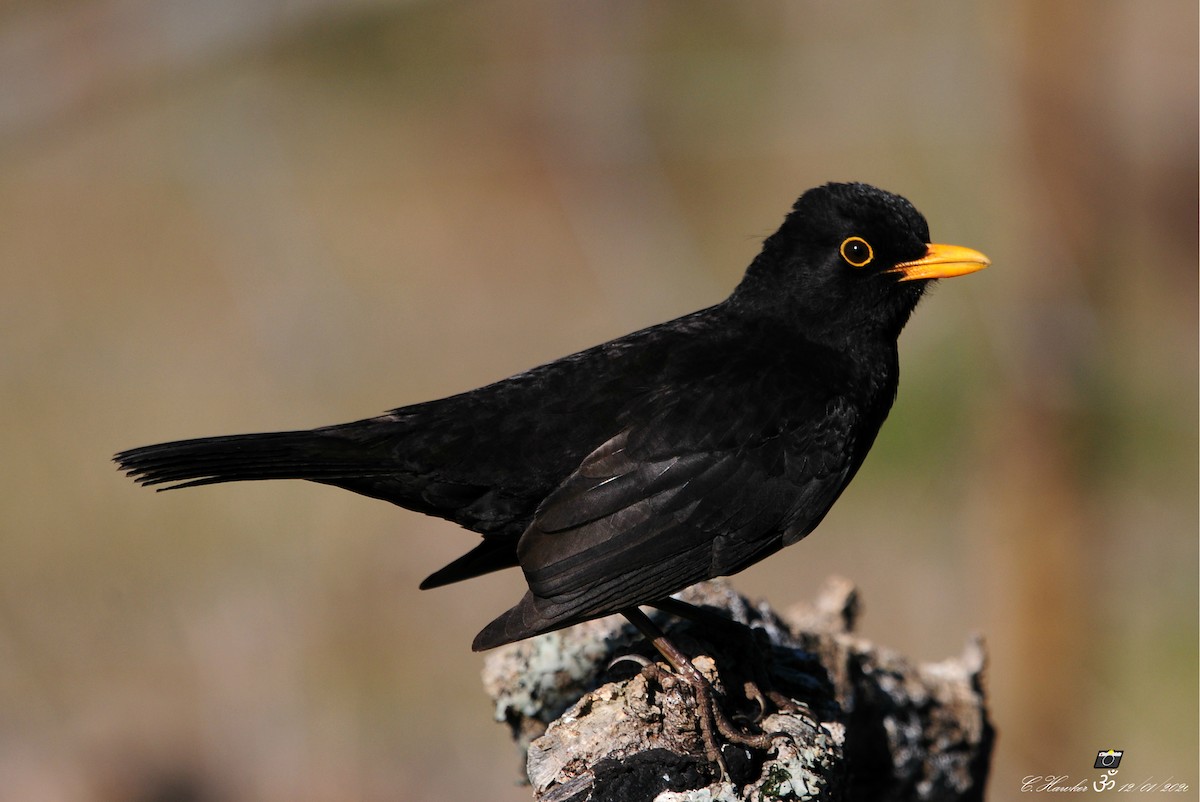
(868, 725)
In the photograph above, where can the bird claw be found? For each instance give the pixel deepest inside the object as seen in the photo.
(644, 662)
(755, 695)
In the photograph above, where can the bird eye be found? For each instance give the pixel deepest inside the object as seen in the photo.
(857, 251)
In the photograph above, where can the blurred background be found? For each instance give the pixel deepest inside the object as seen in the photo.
(224, 216)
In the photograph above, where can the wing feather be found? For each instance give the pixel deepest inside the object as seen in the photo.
(627, 528)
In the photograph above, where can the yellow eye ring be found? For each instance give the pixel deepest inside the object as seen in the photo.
(857, 252)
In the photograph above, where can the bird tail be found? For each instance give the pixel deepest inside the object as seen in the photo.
(318, 455)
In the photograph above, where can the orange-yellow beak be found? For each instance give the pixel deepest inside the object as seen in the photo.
(942, 261)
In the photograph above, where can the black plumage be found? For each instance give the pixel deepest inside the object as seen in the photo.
(619, 475)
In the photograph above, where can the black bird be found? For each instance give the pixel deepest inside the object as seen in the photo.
(624, 473)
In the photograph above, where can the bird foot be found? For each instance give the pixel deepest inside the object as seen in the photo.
(759, 688)
(702, 691)
(715, 726)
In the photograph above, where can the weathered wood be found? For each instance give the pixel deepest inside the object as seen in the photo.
(872, 726)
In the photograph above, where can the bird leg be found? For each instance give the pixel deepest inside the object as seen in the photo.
(710, 714)
(744, 635)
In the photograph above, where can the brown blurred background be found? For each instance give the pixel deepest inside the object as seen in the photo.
(229, 216)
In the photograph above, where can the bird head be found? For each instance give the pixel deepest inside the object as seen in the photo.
(850, 261)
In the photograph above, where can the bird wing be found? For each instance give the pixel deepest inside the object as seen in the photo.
(685, 497)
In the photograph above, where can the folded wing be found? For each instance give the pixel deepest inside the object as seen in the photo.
(645, 516)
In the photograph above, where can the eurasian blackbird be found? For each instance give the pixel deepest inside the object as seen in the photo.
(624, 473)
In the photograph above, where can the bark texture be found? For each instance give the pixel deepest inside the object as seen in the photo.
(871, 725)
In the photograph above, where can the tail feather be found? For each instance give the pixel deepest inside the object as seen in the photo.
(312, 455)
